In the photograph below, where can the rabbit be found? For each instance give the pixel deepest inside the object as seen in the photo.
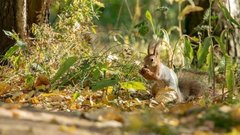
(163, 76)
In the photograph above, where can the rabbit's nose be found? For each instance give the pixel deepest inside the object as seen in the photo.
(145, 66)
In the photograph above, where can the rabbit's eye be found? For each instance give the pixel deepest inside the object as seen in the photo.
(152, 60)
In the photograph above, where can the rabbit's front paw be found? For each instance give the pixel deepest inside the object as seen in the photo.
(144, 71)
(147, 74)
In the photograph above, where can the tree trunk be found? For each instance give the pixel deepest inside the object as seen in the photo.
(8, 22)
(234, 39)
(38, 11)
(19, 15)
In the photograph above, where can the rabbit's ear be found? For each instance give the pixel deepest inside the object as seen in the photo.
(149, 49)
(156, 48)
(151, 46)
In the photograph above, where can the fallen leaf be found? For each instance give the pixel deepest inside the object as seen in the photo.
(113, 115)
(34, 100)
(235, 113)
(4, 88)
(202, 133)
(8, 100)
(133, 85)
(234, 131)
(41, 82)
(182, 108)
(67, 129)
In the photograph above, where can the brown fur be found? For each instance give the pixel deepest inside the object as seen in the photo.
(191, 84)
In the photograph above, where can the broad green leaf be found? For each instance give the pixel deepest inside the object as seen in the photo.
(223, 46)
(218, 40)
(103, 83)
(64, 68)
(210, 63)
(11, 51)
(75, 96)
(228, 15)
(149, 18)
(133, 85)
(203, 51)
(230, 80)
(188, 52)
(221, 42)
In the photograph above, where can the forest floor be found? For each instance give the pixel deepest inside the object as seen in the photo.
(56, 113)
(28, 122)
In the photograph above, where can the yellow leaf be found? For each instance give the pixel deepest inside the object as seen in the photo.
(67, 129)
(109, 90)
(34, 100)
(188, 9)
(202, 133)
(182, 108)
(73, 106)
(105, 99)
(4, 88)
(233, 132)
(133, 85)
(53, 94)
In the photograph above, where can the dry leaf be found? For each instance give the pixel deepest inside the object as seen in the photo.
(182, 108)
(113, 115)
(34, 100)
(4, 88)
(202, 133)
(234, 131)
(235, 113)
(188, 9)
(8, 100)
(68, 129)
(41, 82)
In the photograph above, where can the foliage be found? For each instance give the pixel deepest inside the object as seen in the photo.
(62, 67)
(64, 52)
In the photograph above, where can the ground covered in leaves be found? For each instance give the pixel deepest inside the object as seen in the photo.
(105, 112)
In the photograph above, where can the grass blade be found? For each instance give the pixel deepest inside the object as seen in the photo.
(103, 83)
(64, 68)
